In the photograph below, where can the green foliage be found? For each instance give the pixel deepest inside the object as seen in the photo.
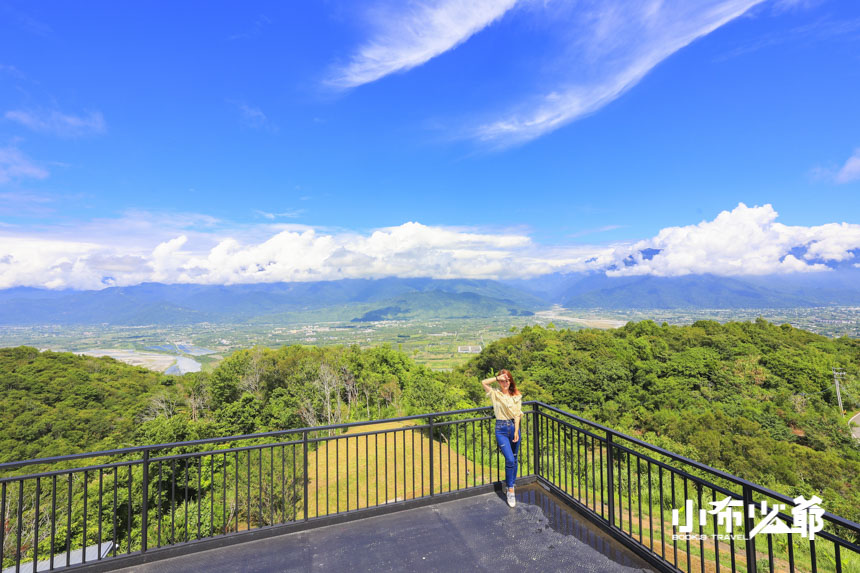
(754, 399)
(55, 403)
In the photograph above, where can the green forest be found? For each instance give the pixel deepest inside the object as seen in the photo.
(752, 398)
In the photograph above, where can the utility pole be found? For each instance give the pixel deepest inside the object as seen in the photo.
(838, 374)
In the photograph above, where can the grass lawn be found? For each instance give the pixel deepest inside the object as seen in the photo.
(353, 472)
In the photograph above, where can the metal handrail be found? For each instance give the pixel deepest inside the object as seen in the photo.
(134, 449)
(698, 465)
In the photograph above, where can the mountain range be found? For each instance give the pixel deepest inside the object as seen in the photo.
(363, 300)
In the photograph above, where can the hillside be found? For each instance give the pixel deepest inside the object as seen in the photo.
(57, 403)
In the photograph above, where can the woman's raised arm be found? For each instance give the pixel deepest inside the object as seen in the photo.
(488, 383)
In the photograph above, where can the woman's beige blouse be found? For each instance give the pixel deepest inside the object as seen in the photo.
(505, 406)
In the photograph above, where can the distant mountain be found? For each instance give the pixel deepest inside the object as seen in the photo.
(153, 303)
(588, 290)
(698, 291)
(438, 304)
(397, 299)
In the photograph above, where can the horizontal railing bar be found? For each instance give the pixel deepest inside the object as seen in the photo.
(362, 434)
(225, 451)
(466, 421)
(826, 535)
(677, 457)
(399, 429)
(577, 428)
(55, 459)
(237, 449)
(841, 521)
(679, 471)
(67, 471)
(639, 455)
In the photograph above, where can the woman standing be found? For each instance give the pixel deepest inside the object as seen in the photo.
(507, 406)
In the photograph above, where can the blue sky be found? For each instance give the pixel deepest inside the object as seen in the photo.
(212, 142)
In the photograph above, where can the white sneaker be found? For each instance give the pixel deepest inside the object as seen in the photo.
(512, 499)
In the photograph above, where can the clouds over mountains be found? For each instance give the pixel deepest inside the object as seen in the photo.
(196, 249)
(744, 241)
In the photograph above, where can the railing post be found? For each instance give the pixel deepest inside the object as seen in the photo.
(305, 480)
(749, 524)
(431, 454)
(610, 477)
(144, 518)
(536, 440)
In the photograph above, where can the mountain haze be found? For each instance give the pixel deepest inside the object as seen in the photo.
(425, 298)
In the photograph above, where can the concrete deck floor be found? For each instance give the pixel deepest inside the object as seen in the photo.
(479, 533)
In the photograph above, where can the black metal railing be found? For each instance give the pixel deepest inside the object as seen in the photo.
(130, 501)
(632, 487)
(57, 512)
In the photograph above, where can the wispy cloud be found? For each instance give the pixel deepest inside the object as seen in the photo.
(846, 173)
(58, 123)
(849, 172)
(26, 22)
(254, 117)
(256, 28)
(603, 229)
(16, 203)
(601, 49)
(291, 214)
(11, 70)
(192, 248)
(409, 34)
(612, 46)
(794, 5)
(821, 30)
(14, 165)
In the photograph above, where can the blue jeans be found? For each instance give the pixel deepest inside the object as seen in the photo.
(510, 449)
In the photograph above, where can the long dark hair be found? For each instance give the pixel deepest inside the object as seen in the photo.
(512, 389)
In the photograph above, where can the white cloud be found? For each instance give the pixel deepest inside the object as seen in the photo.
(11, 70)
(260, 23)
(744, 241)
(603, 229)
(15, 165)
(409, 34)
(850, 171)
(291, 214)
(191, 248)
(601, 49)
(611, 47)
(58, 123)
(847, 173)
(254, 117)
(780, 6)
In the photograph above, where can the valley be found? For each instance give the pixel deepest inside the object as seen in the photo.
(437, 343)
